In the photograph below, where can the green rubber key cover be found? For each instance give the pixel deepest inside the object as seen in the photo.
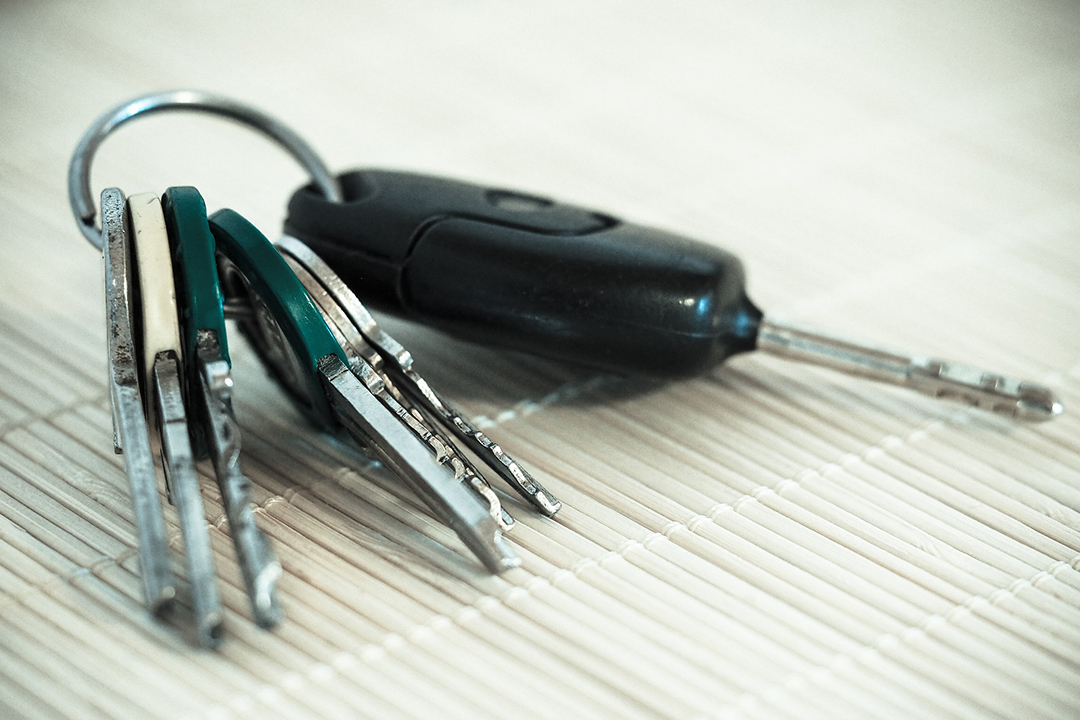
(284, 296)
(197, 289)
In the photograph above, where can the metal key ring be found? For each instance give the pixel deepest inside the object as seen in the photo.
(80, 195)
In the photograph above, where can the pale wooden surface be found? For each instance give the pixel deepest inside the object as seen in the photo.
(764, 541)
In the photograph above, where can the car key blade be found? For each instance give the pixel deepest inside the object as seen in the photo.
(937, 378)
(131, 431)
(372, 424)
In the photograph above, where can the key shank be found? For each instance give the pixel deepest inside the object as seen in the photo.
(364, 417)
(936, 378)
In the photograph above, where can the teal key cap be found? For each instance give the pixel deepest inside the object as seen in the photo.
(298, 346)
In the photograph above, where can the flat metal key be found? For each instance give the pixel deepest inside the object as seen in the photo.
(296, 343)
(1020, 399)
(209, 384)
(162, 359)
(131, 432)
(399, 363)
(368, 365)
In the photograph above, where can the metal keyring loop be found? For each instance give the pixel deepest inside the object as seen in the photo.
(81, 196)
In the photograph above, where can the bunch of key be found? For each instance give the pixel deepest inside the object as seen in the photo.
(544, 276)
(170, 271)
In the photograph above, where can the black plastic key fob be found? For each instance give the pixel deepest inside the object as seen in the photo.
(525, 272)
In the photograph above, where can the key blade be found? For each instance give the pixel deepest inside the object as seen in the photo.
(130, 429)
(1004, 395)
(401, 451)
(399, 363)
(159, 583)
(179, 463)
(492, 453)
(1007, 396)
(258, 564)
(367, 364)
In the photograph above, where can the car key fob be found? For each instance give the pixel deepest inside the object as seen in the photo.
(525, 272)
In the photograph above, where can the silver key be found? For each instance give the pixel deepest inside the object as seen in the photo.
(370, 422)
(258, 564)
(937, 378)
(294, 340)
(131, 433)
(163, 398)
(399, 363)
(210, 392)
(366, 364)
(183, 483)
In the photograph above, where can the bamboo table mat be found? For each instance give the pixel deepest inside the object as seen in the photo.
(765, 540)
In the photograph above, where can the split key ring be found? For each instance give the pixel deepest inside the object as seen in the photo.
(81, 196)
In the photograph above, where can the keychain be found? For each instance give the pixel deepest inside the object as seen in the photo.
(166, 266)
(486, 264)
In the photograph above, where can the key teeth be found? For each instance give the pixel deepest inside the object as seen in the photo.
(259, 567)
(508, 559)
(1003, 395)
(1038, 403)
(990, 391)
(549, 504)
(267, 610)
(364, 407)
(487, 494)
(496, 458)
(364, 416)
(496, 554)
(399, 362)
